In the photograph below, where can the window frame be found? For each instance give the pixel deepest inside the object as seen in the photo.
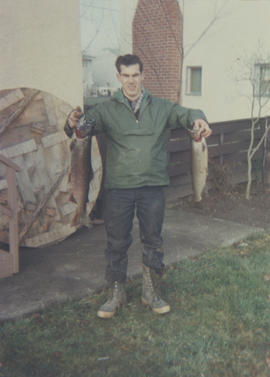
(189, 71)
(258, 79)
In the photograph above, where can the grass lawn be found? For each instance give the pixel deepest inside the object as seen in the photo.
(219, 326)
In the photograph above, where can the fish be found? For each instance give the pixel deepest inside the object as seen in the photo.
(80, 176)
(199, 167)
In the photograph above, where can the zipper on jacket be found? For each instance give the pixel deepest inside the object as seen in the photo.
(141, 112)
(128, 107)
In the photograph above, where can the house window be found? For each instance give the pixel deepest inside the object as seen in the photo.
(194, 81)
(262, 80)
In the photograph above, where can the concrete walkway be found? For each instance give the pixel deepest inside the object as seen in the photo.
(75, 267)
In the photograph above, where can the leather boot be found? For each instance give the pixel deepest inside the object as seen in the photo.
(149, 296)
(116, 299)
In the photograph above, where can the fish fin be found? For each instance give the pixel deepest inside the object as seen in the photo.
(72, 144)
(84, 220)
(81, 218)
(75, 219)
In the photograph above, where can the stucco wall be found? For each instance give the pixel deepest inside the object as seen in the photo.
(127, 12)
(40, 47)
(224, 51)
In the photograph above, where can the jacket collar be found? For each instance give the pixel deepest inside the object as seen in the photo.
(120, 97)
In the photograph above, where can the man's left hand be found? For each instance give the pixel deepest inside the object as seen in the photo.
(201, 129)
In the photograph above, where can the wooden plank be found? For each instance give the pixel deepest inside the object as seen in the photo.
(64, 186)
(10, 98)
(37, 169)
(178, 145)
(24, 183)
(18, 112)
(56, 234)
(178, 133)
(9, 163)
(235, 158)
(3, 184)
(232, 131)
(3, 170)
(34, 114)
(50, 109)
(11, 264)
(213, 140)
(258, 155)
(68, 208)
(177, 169)
(181, 179)
(13, 223)
(241, 157)
(230, 126)
(53, 139)
(41, 205)
(57, 159)
(242, 135)
(238, 147)
(227, 148)
(5, 210)
(65, 109)
(20, 149)
(53, 204)
(180, 157)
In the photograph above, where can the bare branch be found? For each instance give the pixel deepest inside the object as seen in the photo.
(204, 32)
(257, 147)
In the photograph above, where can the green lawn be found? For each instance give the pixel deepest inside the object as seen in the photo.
(219, 326)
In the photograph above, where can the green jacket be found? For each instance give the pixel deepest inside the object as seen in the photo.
(136, 148)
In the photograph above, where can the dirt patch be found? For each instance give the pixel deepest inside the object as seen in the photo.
(233, 206)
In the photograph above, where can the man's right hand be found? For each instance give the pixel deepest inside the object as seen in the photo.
(74, 117)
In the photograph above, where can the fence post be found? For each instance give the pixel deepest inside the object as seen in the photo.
(13, 221)
(12, 211)
(221, 142)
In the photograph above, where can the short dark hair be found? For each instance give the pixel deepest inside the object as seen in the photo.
(127, 60)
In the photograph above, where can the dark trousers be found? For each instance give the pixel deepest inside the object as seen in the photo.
(120, 207)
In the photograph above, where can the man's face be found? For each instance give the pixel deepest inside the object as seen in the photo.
(131, 79)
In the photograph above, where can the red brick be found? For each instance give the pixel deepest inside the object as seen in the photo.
(157, 39)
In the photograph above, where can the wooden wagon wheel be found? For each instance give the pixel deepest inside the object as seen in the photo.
(31, 129)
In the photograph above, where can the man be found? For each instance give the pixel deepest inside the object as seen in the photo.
(135, 125)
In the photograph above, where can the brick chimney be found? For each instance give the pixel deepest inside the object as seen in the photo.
(157, 40)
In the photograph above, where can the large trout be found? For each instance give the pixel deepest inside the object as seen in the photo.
(80, 176)
(199, 167)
